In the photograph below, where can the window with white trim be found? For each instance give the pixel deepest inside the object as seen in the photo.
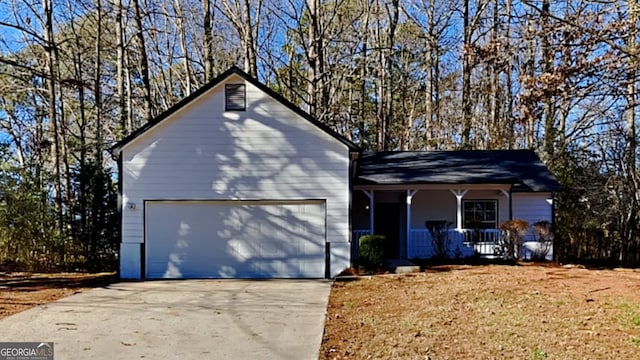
(480, 214)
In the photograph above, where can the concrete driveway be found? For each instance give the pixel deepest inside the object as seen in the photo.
(186, 319)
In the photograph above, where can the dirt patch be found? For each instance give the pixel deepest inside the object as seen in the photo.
(21, 291)
(486, 312)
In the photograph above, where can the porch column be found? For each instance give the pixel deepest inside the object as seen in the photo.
(409, 242)
(459, 194)
(508, 195)
(370, 195)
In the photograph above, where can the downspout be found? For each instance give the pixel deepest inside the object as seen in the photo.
(353, 167)
(118, 159)
(553, 225)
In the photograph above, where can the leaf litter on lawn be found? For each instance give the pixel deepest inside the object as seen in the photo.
(528, 311)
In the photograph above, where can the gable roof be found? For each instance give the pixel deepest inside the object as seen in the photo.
(115, 149)
(521, 168)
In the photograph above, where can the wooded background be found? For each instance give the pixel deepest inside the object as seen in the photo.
(560, 77)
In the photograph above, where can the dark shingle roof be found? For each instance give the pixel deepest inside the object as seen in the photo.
(522, 168)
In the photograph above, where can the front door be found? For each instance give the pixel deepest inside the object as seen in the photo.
(387, 223)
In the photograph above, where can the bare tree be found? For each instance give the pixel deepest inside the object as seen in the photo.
(208, 41)
(144, 60)
(245, 18)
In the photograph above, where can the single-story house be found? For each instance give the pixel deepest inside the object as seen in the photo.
(234, 181)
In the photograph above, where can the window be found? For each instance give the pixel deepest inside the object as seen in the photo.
(480, 214)
(235, 97)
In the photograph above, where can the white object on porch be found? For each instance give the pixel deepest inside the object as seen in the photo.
(537, 249)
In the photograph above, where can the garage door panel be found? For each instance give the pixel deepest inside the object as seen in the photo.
(234, 239)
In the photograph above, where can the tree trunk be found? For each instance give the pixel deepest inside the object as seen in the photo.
(495, 138)
(631, 136)
(547, 68)
(53, 116)
(381, 82)
(312, 57)
(393, 14)
(632, 69)
(144, 61)
(120, 68)
(510, 131)
(250, 59)
(184, 47)
(208, 41)
(466, 77)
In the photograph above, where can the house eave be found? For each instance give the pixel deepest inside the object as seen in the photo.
(423, 186)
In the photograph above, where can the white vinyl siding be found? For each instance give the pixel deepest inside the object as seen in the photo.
(437, 205)
(532, 207)
(202, 152)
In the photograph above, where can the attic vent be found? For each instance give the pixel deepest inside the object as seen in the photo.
(235, 97)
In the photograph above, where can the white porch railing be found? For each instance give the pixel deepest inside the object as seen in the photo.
(461, 243)
(360, 232)
(420, 245)
(485, 243)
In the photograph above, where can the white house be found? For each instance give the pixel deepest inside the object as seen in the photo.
(236, 182)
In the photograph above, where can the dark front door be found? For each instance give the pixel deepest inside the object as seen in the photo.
(387, 223)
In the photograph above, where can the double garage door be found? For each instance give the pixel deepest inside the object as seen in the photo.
(235, 239)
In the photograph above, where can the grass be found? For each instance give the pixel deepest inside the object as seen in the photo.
(486, 312)
(539, 354)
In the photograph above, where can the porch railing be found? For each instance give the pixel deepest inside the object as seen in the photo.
(360, 232)
(466, 242)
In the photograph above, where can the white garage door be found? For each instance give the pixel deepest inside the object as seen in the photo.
(235, 239)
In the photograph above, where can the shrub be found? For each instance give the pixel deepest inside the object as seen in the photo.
(512, 235)
(440, 238)
(371, 250)
(545, 237)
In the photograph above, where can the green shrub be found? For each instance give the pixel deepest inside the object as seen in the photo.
(371, 250)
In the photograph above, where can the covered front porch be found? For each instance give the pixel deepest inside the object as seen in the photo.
(450, 203)
(427, 221)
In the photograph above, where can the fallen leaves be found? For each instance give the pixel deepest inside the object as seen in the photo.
(486, 312)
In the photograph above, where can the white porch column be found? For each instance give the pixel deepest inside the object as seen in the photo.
(508, 196)
(410, 194)
(370, 195)
(459, 194)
